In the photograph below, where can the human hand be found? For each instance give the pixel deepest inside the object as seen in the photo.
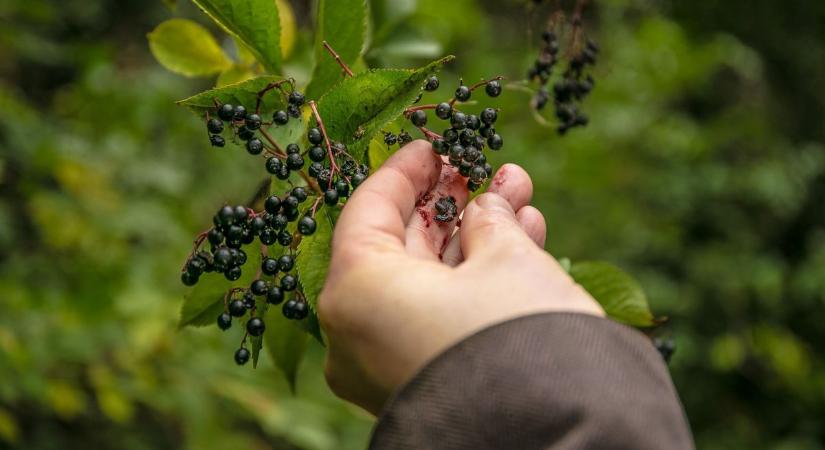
(403, 288)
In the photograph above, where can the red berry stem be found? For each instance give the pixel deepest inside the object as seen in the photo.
(338, 59)
(332, 165)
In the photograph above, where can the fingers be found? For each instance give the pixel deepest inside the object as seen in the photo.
(427, 237)
(378, 211)
(489, 226)
(513, 184)
(532, 222)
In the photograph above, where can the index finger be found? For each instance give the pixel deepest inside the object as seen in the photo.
(376, 215)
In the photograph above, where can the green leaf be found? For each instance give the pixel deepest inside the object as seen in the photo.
(257, 342)
(382, 95)
(285, 342)
(243, 93)
(253, 22)
(565, 264)
(203, 303)
(619, 294)
(184, 47)
(234, 74)
(314, 253)
(343, 24)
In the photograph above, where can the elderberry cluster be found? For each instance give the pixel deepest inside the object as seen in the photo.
(574, 87)
(241, 123)
(336, 182)
(235, 227)
(468, 135)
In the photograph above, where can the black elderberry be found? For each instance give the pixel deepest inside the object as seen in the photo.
(280, 117)
(493, 88)
(495, 142)
(666, 347)
(419, 118)
(254, 146)
(237, 308)
(331, 197)
(450, 135)
(486, 131)
(282, 173)
(245, 133)
(268, 236)
(443, 111)
(315, 136)
(226, 112)
(463, 93)
(241, 214)
(269, 266)
(255, 326)
(234, 243)
(440, 147)
(239, 257)
(233, 233)
(314, 169)
(431, 84)
(296, 98)
(248, 300)
(291, 214)
(292, 148)
(488, 168)
(446, 209)
(253, 121)
(272, 204)
(258, 287)
(464, 168)
(188, 279)
(221, 259)
(324, 179)
(290, 202)
(256, 225)
(274, 295)
(216, 141)
(289, 309)
(472, 186)
(214, 236)
(288, 283)
(300, 310)
(343, 188)
(471, 153)
(233, 273)
(306, 226)
(357, 179)
(478, 174)
(488, 116)
(467, 137)
(214, 125)
(285, 238)
(195, 266)
(473, 122)
(239, 113)
(224, 321)
(458, 120)
(317, 154)
(300, 193)
(286, 263)
(242, 356)
(456, 151)
(293, 111)
(294, 161)
(273, 165)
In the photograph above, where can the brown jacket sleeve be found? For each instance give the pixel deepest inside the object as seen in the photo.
(550, 381)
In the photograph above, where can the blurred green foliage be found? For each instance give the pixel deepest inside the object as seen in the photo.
(702, 173)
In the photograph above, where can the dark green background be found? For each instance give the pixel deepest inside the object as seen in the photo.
(702, 173)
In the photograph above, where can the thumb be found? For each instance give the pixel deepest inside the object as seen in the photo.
(489, 225)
